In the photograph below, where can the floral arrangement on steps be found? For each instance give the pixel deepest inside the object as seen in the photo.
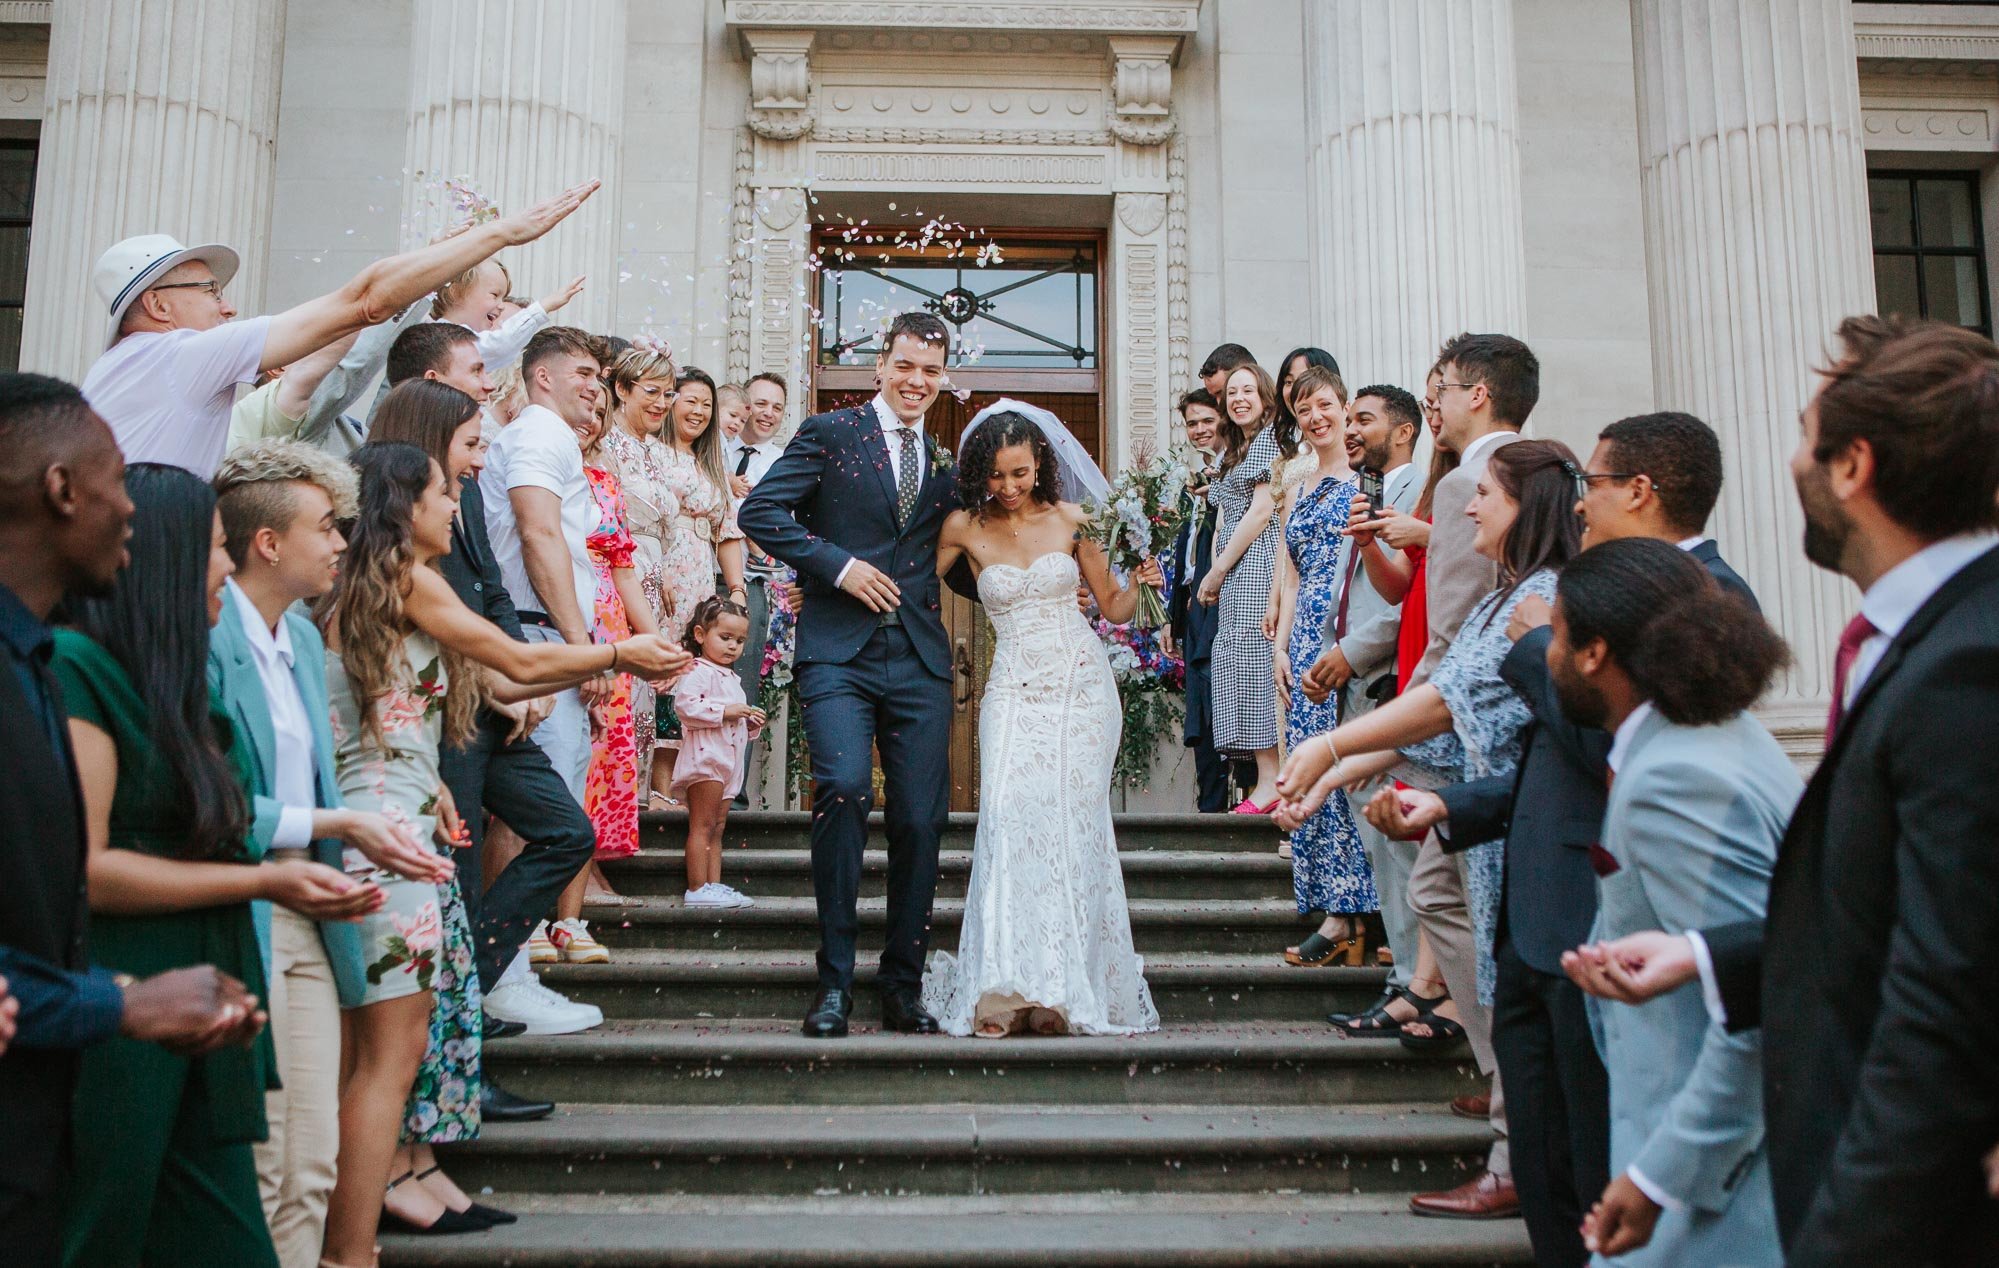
(777, 687)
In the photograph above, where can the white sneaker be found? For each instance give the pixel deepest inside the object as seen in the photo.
(736, 897)
(709, 895)
(541, 1010)
(540, 949)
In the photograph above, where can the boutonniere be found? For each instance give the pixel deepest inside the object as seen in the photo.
(942, 460)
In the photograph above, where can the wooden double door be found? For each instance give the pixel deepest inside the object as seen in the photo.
(964, 621)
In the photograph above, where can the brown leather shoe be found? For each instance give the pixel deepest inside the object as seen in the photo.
(1476, 1105)
(1483, 1197)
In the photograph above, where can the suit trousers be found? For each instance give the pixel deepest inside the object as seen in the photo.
(1437, 895)
(885, 699)
(1211, 773)
(31, 1219)
(516, 784)
(1560, 1098)
(1391, 861)
(295, 1166)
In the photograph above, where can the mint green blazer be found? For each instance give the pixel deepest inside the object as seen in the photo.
(232, 671)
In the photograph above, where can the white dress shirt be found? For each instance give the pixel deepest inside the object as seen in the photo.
(1483, 443)
(762, 455)
(292, 782)
(892, 429)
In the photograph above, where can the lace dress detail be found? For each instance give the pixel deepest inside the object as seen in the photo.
(1046, 924)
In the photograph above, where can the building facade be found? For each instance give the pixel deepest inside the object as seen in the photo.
(1673, 201)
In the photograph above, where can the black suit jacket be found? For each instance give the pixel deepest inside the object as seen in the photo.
(44, 911)
(1874, 973)
(1192, 623)
(1550, 811)
(831, 497)
(1710, 556)
(471, 567)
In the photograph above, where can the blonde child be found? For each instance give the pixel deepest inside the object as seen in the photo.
(716, 727)
(732, 408)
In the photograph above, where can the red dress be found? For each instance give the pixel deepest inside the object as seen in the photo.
(1413, 638)
(610, 791)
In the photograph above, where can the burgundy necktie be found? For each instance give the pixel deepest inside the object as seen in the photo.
(1346, 589)
(1857, 631)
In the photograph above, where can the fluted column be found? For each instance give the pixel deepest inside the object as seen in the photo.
(1757, 244)
(522, 98)
(1412, 119)
(160, 118)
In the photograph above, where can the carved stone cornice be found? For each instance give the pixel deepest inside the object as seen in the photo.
(780, 83)
(25, 12)
(1964, 33)
(1177, 17)
(963, 136)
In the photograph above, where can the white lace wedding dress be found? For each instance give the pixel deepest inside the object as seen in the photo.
(1046, 925)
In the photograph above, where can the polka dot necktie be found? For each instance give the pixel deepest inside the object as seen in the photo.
(908, 477)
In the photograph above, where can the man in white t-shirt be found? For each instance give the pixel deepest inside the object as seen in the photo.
(539, 512)
(173, 357)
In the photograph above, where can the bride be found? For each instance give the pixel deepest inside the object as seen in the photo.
(1046, 944)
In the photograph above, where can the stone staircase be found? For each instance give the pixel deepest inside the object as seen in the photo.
(699, 1127)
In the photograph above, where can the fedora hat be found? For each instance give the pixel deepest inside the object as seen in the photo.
(131, 267)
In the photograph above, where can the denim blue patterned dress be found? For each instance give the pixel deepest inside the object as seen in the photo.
(1329, 868)
(1487, 717)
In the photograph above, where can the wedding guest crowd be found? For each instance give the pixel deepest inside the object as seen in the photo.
(321, 714)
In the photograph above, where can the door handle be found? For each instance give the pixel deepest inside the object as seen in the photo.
(961, 664)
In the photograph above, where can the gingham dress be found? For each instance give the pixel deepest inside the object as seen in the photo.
(1243, 682)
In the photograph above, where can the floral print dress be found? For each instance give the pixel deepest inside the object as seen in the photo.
(704, 518)
(610, 790)
(1329, 867)
(650, 508)
(420, 939)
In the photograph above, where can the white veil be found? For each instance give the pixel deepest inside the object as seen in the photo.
(1078, 476)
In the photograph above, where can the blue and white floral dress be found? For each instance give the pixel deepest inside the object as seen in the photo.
(1329, 867)
(1487, 718)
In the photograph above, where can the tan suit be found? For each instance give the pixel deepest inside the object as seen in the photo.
(1457, 578)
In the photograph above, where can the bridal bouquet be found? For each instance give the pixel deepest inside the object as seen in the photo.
(1137, 520)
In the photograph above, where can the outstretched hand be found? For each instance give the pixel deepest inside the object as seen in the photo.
(528, 225)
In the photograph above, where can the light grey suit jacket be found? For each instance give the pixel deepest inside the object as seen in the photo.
(1372, 622)
(1456, 576)
(1693, 824)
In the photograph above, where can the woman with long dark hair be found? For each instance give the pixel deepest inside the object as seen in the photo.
(162, 1166)
(1295, 363)
(1465, 722)
(401, 679)
(1243, 685)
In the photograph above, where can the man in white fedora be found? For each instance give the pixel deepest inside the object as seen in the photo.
(173, 356)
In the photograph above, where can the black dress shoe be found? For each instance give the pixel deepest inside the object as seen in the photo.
(497, 1105)
(499, 1029)
(902, 1011)
(828, 1017)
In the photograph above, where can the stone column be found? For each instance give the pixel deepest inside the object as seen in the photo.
(160, 118)
(1139, 387)
(1412, 123)
(522, 99)
(1757, 244)
(773, 233)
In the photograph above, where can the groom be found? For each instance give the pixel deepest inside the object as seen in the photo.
(855, 505)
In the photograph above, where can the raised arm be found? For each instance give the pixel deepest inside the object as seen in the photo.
(387, 286)
(347, 381)
(302, 377)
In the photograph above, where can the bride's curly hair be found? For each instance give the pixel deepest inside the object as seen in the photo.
(1003, 431)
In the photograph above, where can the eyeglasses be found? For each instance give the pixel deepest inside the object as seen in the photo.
(1584, 479)
(213, 287)
(1443, 386)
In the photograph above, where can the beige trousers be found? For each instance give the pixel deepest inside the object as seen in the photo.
(1437, 896)
(295, 1167)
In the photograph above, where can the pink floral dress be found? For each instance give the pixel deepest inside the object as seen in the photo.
(710, 749)
(610, 790)
(704, 518)
(650, 508)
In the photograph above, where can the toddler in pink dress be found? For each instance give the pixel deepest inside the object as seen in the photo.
(716, 724)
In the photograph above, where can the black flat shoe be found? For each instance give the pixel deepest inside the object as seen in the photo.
(904, 1013)
(497, 1105)
(498, 1029)
(827, 1018)
(445, 1225)
(493, 1215)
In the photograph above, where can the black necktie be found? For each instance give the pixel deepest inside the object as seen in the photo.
(743, 463)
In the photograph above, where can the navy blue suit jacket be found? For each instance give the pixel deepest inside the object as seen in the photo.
(831, 498)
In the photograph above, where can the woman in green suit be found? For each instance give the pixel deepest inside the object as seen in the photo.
(161, 1143)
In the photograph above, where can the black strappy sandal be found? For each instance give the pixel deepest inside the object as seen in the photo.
(479, 1210)
(444, 1225)
(1444, 1035)
(1375, 1018)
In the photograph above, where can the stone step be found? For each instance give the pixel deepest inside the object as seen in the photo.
(1063, 1231)
(1238, 926)
(790, 829)
(971, 1150)
(695, 985)
(1180, 874)
(770, 1063)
